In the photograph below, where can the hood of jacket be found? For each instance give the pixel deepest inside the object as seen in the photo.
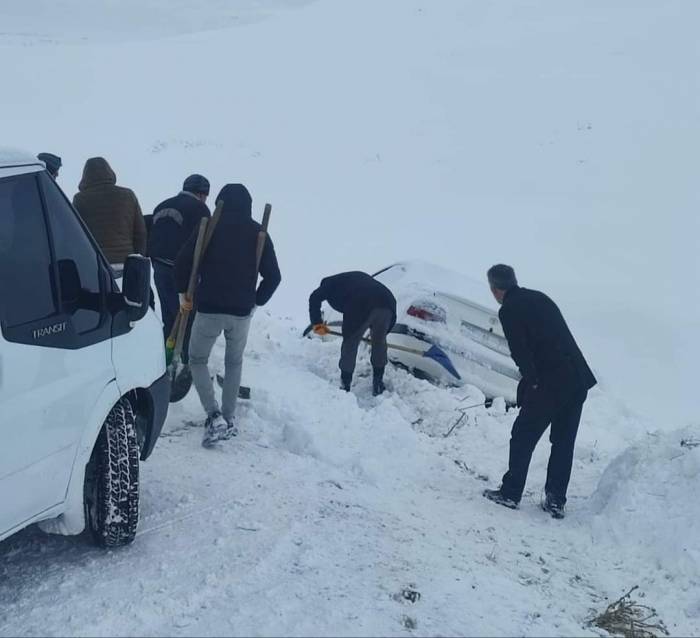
(97, 172)
(237, 203)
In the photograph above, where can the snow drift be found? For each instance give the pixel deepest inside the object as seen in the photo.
(647, 504)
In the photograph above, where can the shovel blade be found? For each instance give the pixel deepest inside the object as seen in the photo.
(181, 382)
(243, 391)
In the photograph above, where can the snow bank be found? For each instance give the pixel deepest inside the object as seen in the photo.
(647, 504)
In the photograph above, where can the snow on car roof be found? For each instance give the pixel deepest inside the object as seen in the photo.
(420, 275)
(16, 157)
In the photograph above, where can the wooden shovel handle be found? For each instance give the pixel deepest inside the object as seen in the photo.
(262, 238)
(183, 316)
(393, 346)
(204, 235)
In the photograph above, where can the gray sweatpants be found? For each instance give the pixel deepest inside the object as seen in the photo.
(205, 331)
(378, 323)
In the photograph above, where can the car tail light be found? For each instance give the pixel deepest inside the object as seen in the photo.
(427, 312)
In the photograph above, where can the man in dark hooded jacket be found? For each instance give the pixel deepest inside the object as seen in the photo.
(226, 293)
(554, 385)
(111, 213)
(173, 223)
(366, 304)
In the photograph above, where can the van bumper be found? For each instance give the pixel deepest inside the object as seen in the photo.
(160, 400)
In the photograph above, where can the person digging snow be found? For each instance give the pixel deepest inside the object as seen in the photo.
(227, 294)
(366, 304)
(554, 385)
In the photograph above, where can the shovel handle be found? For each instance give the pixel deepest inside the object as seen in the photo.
(204, 235)
(262, 237)
(183, 316)
(393, 346)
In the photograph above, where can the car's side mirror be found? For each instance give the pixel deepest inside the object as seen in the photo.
(136, 286)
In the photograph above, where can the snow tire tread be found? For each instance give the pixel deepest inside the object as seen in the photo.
(116, 510)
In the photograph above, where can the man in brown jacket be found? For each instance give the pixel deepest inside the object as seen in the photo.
(111, 212)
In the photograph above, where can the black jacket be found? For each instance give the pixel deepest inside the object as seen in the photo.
(541, 343)
(227, 274)
(173, 223)
(355, 294)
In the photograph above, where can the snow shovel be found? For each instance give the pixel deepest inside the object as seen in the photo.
(244, 391)
(434, 352)
(181, 377)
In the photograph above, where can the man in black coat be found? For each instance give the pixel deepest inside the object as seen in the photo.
(554, 385)
(227, 293)
(366, 304)
(173, 222)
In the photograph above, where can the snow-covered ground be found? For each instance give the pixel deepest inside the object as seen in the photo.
(559, 137)
(328, 506)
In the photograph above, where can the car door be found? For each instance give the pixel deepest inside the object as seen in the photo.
(55, 348)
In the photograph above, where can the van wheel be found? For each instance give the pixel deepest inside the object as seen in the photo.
(112, 480)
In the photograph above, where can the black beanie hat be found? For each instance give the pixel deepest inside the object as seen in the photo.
(196, 184)
(53, 162)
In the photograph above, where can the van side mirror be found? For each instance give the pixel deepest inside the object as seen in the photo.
(136, 286)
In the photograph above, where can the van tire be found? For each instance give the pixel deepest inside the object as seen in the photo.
(112, 480)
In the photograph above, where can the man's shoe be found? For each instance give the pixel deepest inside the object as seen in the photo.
(498, 497)
(378, 386)
(345, 381)
(554, 506)
(214, 429)
(231, 430)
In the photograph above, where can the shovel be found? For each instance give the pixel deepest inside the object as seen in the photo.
(180, 376)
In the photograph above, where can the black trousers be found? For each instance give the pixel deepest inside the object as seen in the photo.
(378, 323)
(538, 412)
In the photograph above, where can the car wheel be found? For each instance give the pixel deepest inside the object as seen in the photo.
(112, 480)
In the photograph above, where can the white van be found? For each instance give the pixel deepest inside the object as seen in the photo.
(83, 389)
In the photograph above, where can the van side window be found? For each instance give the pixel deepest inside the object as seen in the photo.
(77, 261)
(26, 276)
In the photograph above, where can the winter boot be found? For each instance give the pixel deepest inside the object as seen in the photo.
(499, 497)
(378, 386)
(214, 429)
(553, 505)
(231, 429)
(345, 381)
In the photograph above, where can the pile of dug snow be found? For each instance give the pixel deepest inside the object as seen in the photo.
(647, 504)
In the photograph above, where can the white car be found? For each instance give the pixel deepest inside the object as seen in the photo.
(83, 389)
(443, 312)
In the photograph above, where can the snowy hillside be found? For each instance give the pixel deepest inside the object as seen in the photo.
(559, 137)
